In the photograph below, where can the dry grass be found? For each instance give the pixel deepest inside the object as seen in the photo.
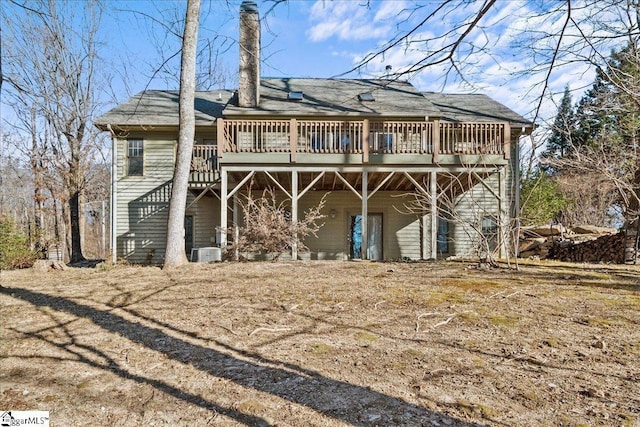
(324, 344)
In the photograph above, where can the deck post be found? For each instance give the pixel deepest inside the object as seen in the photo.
(365, 216)
(220, 136)
(236, 229)
(223, 208)
(365, 141)
(507, 141)
(435, 140)
(423, 238)
(503, 217)
(434, 214)
(293, 139)
(294, 214)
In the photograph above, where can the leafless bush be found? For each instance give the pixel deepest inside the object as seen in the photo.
(270, 229)
(480, 224)
(590, 196)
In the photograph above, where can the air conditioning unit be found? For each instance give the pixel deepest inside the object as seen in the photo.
(209, 254)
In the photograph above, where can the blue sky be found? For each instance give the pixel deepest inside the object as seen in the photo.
(325, 38)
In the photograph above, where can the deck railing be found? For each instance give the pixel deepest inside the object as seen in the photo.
(328, 137)
(354, 137)
(204, 163)
(257, 136)
(401, 137)
(472, 138)
(364, 137)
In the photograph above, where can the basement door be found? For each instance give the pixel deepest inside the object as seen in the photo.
(374, 238)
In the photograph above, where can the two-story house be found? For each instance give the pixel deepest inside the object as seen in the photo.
(373, 144)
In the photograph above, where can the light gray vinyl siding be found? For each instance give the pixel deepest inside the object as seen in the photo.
(401, 232)
(206, 218)
(471, 207)
(143, 201)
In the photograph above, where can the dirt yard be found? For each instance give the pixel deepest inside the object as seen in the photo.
(324, 344)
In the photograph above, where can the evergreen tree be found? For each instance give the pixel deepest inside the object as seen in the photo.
(606, 137)
(14, 246)
(561, 140)
(611, 107)
(590, 114)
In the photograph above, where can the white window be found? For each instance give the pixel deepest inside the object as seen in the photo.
(135, 157)
(490, 232)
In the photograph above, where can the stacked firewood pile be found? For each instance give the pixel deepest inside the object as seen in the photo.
(608, 248)
(577, 244)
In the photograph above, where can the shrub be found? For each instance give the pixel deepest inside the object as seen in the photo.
(268, 226)
(540, 200)
(14, 248)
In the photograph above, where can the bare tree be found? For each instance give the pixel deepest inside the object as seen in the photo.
(546, 39)
(52, 67)
(603, 143)
(165, 37)
(550, 38)
(175, 253)
(268, 226)
(590, 196)
(463, 217)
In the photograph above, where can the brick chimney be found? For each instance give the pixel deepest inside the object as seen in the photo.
(249, 87)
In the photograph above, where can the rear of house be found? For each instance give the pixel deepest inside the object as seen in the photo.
(406, 175)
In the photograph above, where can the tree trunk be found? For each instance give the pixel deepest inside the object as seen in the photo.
(65, 227)
(175, 252)
(38, 196)
(74, 223)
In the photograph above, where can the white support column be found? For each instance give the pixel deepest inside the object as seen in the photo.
(236, 230)
(425, 232)
(294, 213)
(503, 217)
(223, 208)
(434, 214)
(365, 216)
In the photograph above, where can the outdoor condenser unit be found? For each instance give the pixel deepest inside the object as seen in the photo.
(209, 254)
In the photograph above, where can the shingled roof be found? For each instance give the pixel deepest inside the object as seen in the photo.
(160, 108)
(337, 97)
(320, 98)
(473, 108)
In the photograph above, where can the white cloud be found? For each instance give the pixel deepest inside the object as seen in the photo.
(395, 10)
(504, 13)
(352, 20)
(497, 58)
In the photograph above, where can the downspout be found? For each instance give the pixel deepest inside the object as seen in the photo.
(114, 199)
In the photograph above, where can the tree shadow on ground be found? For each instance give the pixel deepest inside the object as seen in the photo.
(286, 381)
(627, 279)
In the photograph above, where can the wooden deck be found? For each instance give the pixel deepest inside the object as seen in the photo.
(347, 143)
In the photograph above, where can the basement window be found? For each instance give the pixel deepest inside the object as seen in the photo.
(366, 97)
(490, 232)
(296, 96)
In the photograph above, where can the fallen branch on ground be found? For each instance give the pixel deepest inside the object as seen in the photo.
(263, 329)
(420, 316)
